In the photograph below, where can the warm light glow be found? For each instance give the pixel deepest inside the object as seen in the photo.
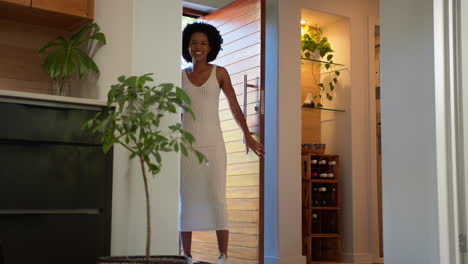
(303, 22)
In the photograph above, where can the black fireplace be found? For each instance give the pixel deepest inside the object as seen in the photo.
(55, 185)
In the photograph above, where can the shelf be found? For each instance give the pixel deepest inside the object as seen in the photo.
(325, 208)
(325, 235)
(323, 109)
(323, 181)
(323, 62)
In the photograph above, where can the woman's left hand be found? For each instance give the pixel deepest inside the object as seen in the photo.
(257, 147)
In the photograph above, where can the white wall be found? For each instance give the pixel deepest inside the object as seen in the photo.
(157, 48)
(143, 36)
(410, 192)
(289, 120)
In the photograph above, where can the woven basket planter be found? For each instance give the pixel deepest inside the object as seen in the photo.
(142, 260)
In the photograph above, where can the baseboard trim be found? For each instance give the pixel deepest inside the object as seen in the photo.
(285, 260)
(379, 260)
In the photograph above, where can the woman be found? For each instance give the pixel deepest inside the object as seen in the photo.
(203, 187)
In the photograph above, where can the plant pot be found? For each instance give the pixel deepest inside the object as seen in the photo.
(313, 55)
(61, 87)
(142, 260)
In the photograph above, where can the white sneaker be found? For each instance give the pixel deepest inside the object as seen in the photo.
(191, 261)
(223, 260)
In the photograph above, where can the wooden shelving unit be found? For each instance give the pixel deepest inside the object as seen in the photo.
(321, 234)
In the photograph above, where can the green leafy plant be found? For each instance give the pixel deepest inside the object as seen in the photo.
(313, 40)
(133, 120)
(68, 56)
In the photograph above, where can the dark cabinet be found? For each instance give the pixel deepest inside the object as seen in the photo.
(55, 186)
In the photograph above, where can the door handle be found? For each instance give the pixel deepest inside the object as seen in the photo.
(246, 85)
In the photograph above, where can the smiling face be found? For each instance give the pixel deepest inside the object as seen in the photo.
(199, 47)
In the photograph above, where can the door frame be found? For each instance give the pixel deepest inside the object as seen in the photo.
(373, 181)
(261, 220)
(449, 131)
(199, 14)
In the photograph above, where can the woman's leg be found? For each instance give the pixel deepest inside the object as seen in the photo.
(186, 238)
(223, 240)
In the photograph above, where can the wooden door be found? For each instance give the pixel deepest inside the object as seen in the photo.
(18, 2)
(81, 8)
(240, 23)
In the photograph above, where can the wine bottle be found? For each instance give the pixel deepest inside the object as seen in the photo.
(322, 189)
(332, 163)
(322, 162)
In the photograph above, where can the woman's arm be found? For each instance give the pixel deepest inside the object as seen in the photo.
(226, 86)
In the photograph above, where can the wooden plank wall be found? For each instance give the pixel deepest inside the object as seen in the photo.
(240, 25)
(20, 64)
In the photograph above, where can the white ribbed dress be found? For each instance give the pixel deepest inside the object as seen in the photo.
(203, 186)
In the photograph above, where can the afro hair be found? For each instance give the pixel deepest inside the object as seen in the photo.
(214, 38)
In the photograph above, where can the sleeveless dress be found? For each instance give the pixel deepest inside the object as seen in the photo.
(202, 203)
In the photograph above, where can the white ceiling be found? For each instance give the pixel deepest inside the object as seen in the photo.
(313, 17)
(206, 5)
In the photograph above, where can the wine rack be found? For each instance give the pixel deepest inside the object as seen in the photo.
(321, 232)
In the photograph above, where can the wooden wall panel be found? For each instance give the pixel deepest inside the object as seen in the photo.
(247, 253)
(239, 44)
(241, 32)
(248, 168)
(227, 115)
(252, 74)
(232, 12)
(246, 19)
(236, 239)
(242, 180)
(20, 63)
(229, 125)
(239, 55)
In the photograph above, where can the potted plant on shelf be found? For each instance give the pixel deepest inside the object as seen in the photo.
(69, 57)
(133, 120)
(315, 46)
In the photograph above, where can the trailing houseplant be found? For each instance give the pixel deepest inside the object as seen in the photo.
(133, 120)
(67, 56)
(314, 44)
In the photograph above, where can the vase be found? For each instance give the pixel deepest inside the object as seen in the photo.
(61, 87)
(313, 55)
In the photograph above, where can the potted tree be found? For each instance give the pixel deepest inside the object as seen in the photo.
(133, 120)
(69, 57)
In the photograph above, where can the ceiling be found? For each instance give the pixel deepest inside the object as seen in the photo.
(208, 6)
